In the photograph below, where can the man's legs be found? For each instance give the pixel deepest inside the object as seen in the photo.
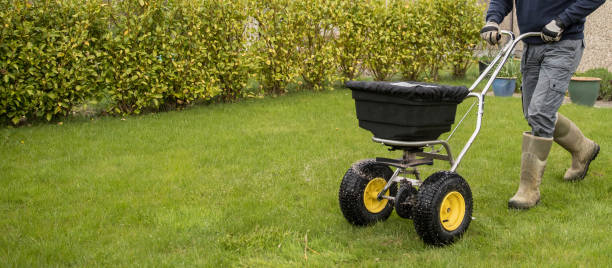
(533, 163)
(583, 150)
(547, 70)
(557, 63)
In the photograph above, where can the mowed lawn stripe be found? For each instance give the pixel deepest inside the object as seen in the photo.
(255, 183)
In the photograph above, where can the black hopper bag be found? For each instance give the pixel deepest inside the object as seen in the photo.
(406, 111)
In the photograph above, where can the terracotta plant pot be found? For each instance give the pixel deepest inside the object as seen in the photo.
(584, 90)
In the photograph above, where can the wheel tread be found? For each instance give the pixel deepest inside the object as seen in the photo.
(406, 191)
(425, 220)
(350, 195)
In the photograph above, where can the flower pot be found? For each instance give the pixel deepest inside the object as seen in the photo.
(504, 87)
(584, 90)
(482, 66)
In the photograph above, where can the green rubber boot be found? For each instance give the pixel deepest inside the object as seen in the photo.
(533, 163)
(583, 150)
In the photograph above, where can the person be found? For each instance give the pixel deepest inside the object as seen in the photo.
(547, 65)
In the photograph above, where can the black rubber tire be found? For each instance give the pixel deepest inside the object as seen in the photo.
(352, 189)
(427, 211)
(405, 200)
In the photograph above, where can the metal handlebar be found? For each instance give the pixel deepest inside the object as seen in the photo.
(505, 52)
(494, 61)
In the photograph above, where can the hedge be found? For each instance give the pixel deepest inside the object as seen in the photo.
(48, 57)
(147, 55)
(273, 44)
(173, 53)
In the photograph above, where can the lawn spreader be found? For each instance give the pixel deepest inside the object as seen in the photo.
(411, 116)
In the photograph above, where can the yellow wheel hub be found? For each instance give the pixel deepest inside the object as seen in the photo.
(370, 195)
(452, 211)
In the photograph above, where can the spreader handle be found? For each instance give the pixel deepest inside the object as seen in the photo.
(503, 54)
(480, 96)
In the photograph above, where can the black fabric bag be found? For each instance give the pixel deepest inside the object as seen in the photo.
(406, 111)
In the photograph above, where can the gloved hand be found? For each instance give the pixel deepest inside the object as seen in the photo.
(490, 33)
(552, 31)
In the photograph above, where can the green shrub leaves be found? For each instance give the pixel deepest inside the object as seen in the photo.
(146, 55)
(47, 57)
(172, 53)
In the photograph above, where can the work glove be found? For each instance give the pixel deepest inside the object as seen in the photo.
(490, 33)
(552, 31)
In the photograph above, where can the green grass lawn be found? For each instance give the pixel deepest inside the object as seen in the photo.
(250, 184)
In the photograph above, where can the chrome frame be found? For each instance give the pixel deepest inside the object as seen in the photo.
(506, 51)
(498, 62)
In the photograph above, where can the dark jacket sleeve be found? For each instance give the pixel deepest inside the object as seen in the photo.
(498, 9)
(578, 11)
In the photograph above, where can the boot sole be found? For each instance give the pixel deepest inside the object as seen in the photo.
(512, 205)
(586, 169)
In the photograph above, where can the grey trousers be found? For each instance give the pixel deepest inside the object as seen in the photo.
(547, 70)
